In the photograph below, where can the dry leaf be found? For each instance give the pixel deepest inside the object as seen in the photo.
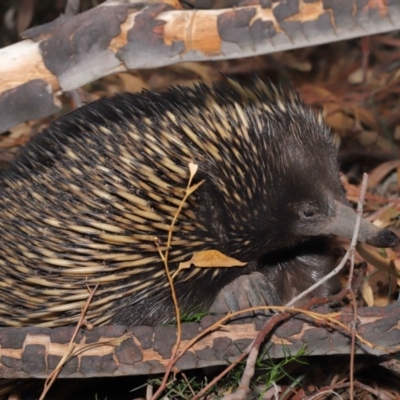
(202, 70)
(290, 60)
(386, 217)
(367, 294)
(336, 117)
(314, 92)
(131, 83)
(367, 118)
(193, 169)
(357, 77)
(211, 259)
(369, 138)
(377, 174)
(372, 256)
(352, 191)
(19, 136)
(382, 286)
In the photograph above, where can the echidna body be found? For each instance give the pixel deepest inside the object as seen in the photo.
(87, 200)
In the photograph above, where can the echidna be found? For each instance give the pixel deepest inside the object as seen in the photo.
(85, 200)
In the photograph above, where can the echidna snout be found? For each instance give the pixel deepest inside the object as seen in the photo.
(344, 222)
(339, 219)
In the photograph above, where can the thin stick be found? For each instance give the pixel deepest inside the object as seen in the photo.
(189, 190)
(352, 250)
(53, 376)
(349, 252)
(249, 370)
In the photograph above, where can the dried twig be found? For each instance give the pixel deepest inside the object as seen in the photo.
(248, 373)
(53, 376)
(352, 250)
(189, 190)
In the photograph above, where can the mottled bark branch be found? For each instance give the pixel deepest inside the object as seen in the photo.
(122, 35)
(115, 351)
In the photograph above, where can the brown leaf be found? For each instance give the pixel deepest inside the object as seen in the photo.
(373, 256)
(382, 286)
(367, 118)
(367, 293)
(290, 60)
(336, 117)
(314, 92)
(386, 217)
(377, 174)
(373, 139)
(131, 83)
(211, 259)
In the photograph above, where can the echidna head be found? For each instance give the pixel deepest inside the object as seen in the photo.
(275, 182)
(313, 199)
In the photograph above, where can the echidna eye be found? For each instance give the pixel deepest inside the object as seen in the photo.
(307, 211)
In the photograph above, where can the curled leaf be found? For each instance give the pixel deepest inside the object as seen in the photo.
(211, 259)
(367, 293)
(372, 256)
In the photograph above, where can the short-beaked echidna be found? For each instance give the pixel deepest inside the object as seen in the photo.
(85, 200)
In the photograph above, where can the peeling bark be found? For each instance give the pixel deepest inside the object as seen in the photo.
(120, 35)
(117, 350)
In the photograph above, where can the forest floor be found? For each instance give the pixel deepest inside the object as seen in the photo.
(356, 83)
